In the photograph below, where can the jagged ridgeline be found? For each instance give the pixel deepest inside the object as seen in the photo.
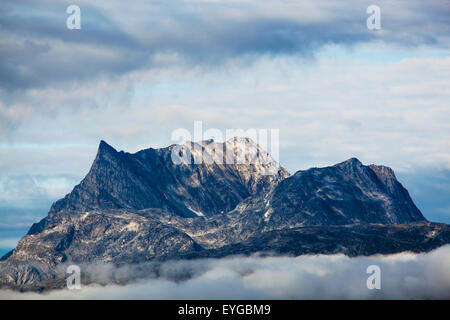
(134, 208)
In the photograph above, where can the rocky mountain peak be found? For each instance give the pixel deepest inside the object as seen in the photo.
(351, 165)
(105, 148)
(149, 179)
(350, 162)
(383, 172)
(346, 193)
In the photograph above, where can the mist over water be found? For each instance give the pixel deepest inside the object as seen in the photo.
(403, 276)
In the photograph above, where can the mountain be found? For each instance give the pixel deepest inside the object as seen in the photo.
(150, 179)
(149, 206)
(346, 193)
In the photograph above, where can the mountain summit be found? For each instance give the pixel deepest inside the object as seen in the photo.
(346, 193)
(150, 179)
(218, 200)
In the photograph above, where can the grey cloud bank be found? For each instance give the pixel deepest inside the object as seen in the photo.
(403, 276)
(38, 51)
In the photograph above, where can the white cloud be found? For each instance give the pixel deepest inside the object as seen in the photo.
(328, 110)
(403, 276)
(23, 188)
(9, 242)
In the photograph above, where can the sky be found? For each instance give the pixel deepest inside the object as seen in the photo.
(138, 70)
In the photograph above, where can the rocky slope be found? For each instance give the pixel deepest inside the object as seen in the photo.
(346, 193)
(351, 240)
(151, 179)
(134, 208)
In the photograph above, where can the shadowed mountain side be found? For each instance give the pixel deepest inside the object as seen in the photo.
(351, 240)
(150, 179)
(345, 193)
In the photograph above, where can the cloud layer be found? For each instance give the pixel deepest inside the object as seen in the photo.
(403, 276)
(36, 42)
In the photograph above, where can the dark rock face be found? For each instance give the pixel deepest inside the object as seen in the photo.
(150, 179)
(133, 208)
(351, 240)
(346, 193)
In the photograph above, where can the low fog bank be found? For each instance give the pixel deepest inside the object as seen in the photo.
(403, 276)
